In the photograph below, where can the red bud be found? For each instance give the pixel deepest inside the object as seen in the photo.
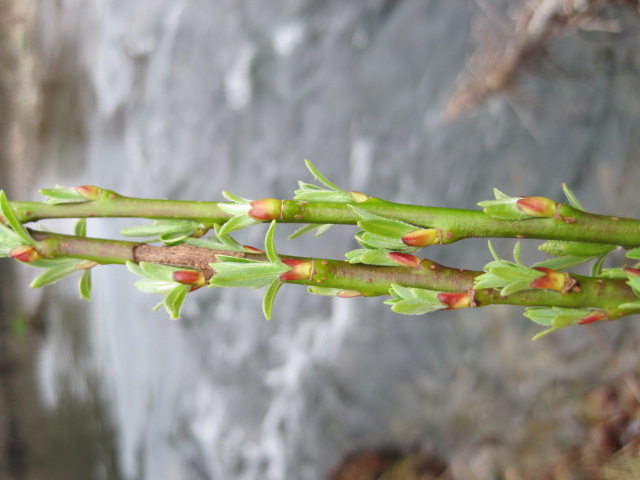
(25, 253)
(595, 316)
(635, 272)
(301, 270)
(90, 192)
(537, 206)
(422, 238)
(553, 280)
(194, 278)
(266, 209)
(405, 259)
(455, 300)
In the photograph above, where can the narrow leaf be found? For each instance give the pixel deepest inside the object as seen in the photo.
(237, 223)
(10, 217)
(81, 227)
(573, 201)
(84, 286)
(269, 297)
(310, 227)
(321, 178)
(269, 245)
(61, 194)
(174, 299)
(53, 274)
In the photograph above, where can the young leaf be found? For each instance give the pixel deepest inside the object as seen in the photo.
(269, 246)
(243, 272)
(503, 207)
(269, 297)
(81, 228)
(413, 301)
(573, 201)
(60, 269)
(310, 227)
(174, 299)
(14, 223)
(8, 240)
(370, 257)
(321, 178)
(560, 317)
(84, 286)
(61, 194)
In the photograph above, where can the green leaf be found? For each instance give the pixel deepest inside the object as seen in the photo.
(160, 272)
(634, 253)
(269, 245)
(81, 228)
(269, 297)
(506, 276)
(61, 194)
(562, 263)
(8, 240)
(60, 269)
(413, 301)
(321, 178)
(174, 299)
(14, 223)
(84, 286)
(370, 257)
(560, 248)
(148, 285)
(630, 306)
(555, 317)
(236, 272)
(312, 193)
(162, 227)
(503, 207)
(237, 223)
(324, 291)
(573, 201)
(310, 227)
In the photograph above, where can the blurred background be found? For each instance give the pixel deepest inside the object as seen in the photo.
(419, 101)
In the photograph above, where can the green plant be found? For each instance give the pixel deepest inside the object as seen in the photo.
(189, 246)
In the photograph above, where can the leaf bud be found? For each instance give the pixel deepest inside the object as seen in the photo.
(359, 197)
(421, 238)
(537, 206)
(455, 300)
(595, 316)
(89, 192)
(194, 278)
(300, 270)
(348, 294)
(553, 280)
(25, 253)
(266, 209)
(405, 259)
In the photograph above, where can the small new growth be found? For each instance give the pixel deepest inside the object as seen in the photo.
(181, 246)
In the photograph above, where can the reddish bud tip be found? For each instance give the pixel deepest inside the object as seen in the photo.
(537, 206)
(90, 192)
(266, 209)
(300, 270)
(250, 249)
(455, 300)
(422, 238)
(25, 253)
(359, 197)
(634, 272)
(405, 259)
(595, 316)
(194, 278)
(553, 280)
(349, 294)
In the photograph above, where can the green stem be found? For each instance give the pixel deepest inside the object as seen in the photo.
(454, 224)
(369, 280)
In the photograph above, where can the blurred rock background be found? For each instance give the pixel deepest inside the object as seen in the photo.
(182, 99)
